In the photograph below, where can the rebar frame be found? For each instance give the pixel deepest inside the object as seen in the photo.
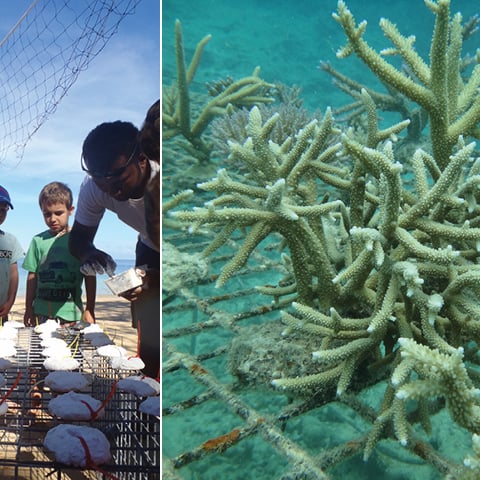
(192, 311)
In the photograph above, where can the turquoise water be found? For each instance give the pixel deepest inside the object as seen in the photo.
(102, 289)
(287, 39)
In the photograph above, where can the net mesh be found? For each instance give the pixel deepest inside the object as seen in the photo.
(42, 56)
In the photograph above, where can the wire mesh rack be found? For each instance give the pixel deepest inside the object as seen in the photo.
(134, 437)
(215, 425)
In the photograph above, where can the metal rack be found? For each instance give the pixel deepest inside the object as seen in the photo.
(134, 437)
(215, 427)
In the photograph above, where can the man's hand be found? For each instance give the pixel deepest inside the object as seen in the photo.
(150, 277)
(98, 262)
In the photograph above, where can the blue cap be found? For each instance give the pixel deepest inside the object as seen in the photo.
(5, 197)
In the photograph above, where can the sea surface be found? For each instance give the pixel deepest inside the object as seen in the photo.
(102, 289)
(287, 39)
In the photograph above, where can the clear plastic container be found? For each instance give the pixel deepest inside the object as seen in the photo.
(124, 281)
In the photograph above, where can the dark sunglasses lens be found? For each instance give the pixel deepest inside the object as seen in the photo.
(108, 175)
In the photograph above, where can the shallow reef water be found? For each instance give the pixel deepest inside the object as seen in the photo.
(215, 423)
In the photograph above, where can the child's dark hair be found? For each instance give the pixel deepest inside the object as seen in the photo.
(56, 192)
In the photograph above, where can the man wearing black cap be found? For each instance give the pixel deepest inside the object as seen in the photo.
(10, 252)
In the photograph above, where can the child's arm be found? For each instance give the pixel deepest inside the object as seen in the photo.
(12, 291)
(90, 293)
(29, 315)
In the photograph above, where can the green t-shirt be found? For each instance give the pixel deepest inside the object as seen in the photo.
(59, 281)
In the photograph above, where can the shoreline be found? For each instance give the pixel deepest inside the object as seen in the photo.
(112, 313)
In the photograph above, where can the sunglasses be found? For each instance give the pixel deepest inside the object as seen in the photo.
(111, 174)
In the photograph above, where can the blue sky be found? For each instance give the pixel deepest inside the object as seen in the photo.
(119, 84)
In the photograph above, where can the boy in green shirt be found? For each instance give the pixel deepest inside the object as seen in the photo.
(54, 281)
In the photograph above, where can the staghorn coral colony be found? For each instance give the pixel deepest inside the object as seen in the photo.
(385, 277)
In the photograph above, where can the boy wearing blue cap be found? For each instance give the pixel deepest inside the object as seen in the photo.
(10, 252)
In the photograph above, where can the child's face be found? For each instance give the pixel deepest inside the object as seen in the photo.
(4, 208)
(56, 217)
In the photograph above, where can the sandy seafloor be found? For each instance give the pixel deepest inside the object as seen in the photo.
(288, 39)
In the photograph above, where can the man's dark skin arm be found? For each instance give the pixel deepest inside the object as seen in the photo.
(81, 246)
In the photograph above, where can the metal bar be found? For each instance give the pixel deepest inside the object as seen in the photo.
(302, 463)
(134, 437)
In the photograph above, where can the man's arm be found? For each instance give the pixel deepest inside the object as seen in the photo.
(81, 246)
(80, 240)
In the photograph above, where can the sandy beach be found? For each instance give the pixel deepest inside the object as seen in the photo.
(112, 314)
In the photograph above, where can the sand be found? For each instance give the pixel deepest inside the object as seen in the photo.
(112, 314)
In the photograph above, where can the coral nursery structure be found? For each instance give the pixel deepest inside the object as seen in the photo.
(385, 277)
